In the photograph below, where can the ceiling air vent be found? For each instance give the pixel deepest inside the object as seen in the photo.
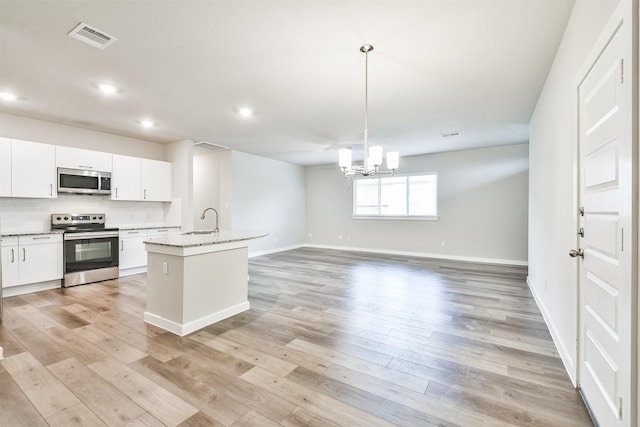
(449, 134)
(209, 146)
(91, 36)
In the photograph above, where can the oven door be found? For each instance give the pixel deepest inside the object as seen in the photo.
(90, 251)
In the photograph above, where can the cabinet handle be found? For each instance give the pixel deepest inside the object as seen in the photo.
(121, 245)
(85, 167)
(13, 256)
(116, 192)
(145, 194)
(24, 254)
(42, 238)
(51, 189)
(163, 231)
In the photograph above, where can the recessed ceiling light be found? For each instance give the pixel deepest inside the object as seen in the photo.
(108, 89)
(8, 96)
(147, 123)
(245, 112)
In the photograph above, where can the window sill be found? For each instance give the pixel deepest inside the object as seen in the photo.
(397, 218)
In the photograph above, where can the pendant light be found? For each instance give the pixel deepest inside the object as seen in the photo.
(372, 155)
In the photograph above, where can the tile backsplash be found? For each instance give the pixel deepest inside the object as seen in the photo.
(34, 215)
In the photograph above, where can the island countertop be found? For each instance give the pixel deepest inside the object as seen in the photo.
(192, 240)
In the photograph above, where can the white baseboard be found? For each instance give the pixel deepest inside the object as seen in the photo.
(12, 291)
(424, 255)
(187, 328)
(131, 271)
(273, 251)
(567, 360)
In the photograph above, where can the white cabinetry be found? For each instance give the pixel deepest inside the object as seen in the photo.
(33, 169)
(132, 253)
(10, 268)
(77, 158)
(156, 180)
(125, 178)
(5, 167)
(31, 259)
(134, 178)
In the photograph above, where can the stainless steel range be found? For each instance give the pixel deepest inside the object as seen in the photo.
(90, 249)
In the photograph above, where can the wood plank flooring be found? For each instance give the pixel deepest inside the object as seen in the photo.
(332, 339)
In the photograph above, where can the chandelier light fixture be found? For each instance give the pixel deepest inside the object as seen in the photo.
(372, 155)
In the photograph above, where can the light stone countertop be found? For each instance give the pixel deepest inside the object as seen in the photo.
(31, 233)
(192, 240)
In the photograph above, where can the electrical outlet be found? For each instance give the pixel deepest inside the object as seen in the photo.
(444, 243)
(165, 268)
(310, 235)
(340, 237)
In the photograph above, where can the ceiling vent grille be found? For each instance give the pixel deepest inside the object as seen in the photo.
(209, 146)
(91, 36)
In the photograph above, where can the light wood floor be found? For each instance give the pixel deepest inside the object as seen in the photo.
(332, 338)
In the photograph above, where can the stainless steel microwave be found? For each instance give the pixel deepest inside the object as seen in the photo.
(82, 181)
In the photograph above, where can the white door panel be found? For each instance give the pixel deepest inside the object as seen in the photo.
(605, 272)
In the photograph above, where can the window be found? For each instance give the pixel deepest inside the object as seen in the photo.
(397, 196)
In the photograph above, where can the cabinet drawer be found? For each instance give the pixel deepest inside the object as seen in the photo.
(40, 239)
(8, 241)
(132, 233)
(156, 232)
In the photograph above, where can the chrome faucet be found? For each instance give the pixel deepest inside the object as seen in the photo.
(211, 209)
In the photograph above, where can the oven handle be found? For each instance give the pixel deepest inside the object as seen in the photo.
(89, 235)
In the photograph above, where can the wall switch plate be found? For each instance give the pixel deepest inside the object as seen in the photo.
(165, 268)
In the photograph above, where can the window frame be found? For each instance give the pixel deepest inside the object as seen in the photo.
(407, 200)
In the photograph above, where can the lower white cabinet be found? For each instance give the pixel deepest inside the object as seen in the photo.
(31, 259)
(132, 252)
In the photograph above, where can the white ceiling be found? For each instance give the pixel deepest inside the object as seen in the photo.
(474, 66)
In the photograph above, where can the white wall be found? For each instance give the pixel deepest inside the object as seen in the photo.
(18, 127)
(268, 195)
(211, 188)
(179, 211)
(552, 198)
(19, 214)
(482, 205)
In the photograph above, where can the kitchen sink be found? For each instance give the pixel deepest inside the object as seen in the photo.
(198, 232)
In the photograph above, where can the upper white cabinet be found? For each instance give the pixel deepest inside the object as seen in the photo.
(125, 178)
(5, 167)
(33, 169)
(134, 178)
(156, 180)
(77, 158)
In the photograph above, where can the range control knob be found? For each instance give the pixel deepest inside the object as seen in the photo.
(58, 218)
(93, 218)
(66, 218)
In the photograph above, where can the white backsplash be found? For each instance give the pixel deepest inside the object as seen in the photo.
(34, 215)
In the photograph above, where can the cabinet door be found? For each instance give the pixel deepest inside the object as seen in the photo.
(125, 178)
(156, 180)
(132, 253)
(77, 158)
(40, 262)
(9, 266)
(5, 167)
(33, 170)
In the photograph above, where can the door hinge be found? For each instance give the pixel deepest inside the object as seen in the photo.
(621, 70)
(581, 210)
(619, 408)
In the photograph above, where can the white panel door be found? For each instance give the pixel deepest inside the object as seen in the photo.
(605, 272)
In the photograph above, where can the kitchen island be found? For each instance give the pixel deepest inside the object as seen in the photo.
(195, 280)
